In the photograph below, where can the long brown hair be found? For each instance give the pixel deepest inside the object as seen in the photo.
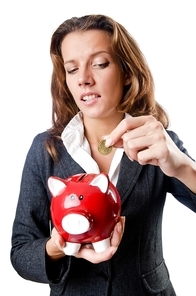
(138, 97)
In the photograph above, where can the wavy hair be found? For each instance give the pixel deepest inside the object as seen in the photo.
(138, 98)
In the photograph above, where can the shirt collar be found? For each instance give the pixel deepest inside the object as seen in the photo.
(78, 147)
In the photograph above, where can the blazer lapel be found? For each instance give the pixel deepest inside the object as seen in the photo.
(128, 175)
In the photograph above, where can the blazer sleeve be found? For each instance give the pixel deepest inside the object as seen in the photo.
(31, 226)
(177, 188)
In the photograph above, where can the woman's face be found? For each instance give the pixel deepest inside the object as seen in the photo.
(93, 74)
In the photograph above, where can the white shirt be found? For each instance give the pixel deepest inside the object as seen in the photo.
(78, 147)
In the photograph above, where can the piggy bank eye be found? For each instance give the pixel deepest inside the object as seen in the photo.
(80, 197)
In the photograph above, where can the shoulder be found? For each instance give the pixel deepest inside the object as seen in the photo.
(179, 143)
(172, 134)
(38, 142)
(38, 146)
(41, 137)
(175, 138)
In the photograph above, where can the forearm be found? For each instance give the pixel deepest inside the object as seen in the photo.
(57, 263)
(29, 260)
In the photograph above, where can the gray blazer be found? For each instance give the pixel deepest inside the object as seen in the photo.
(138, 267)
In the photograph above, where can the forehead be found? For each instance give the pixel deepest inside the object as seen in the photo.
(86, 42)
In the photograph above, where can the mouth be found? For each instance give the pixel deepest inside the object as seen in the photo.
(89, 98)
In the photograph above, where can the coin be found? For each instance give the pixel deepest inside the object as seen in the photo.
(103, 149)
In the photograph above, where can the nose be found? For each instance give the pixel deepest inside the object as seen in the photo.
(85, 77)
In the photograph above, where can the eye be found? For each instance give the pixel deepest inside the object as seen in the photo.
(71, 71)
(80, 197)
(100, 65)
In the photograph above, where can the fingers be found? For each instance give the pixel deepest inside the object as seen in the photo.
(146, 145)
(87, 251)
(118, 232)
(54, 246)
(143, 139)
(57, 239)
(130, 124)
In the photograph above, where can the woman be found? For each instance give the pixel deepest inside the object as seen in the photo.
(102, 90)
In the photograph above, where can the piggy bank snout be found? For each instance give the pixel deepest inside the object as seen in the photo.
(76, 223)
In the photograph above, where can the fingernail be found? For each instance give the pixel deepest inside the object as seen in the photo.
(130, 158)
(108, 142)
(119, 228)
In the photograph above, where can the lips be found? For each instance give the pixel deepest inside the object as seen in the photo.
(88, 98)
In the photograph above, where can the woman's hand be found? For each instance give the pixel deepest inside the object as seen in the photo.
(145, 140)
(87, 252)
(56, 244)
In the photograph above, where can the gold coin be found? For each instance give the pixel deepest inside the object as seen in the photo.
(103, 149)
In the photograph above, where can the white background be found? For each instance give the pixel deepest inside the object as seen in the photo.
(165, 31)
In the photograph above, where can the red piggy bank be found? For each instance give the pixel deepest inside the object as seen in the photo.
(84, 209)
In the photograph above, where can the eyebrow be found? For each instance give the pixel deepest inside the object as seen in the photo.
(92, 55)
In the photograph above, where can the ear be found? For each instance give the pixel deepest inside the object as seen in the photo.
(101, 181)
(56, 186)
(127, 79)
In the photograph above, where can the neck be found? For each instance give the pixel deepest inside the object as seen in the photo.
(95, 129)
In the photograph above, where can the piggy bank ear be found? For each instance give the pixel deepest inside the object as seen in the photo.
(56, 186)
(100, 181)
